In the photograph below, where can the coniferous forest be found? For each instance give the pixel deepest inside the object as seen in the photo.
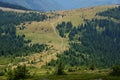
(97, 42)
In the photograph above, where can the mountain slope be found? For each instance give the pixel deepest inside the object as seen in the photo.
(8, 5)
(45, 32)
(47, 5)
(96, 42)
(44, 5)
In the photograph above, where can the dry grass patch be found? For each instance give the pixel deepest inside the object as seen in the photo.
(77, 16)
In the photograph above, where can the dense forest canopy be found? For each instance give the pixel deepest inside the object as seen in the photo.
(97, 42)
(13, 44)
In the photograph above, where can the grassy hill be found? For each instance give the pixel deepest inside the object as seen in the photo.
(77, 16)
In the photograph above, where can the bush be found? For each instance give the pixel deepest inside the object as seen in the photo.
(10, 74)
(115, 71)
(71, 70)
(1, 73)
(18, 73)
(92, 67)
(60, 69)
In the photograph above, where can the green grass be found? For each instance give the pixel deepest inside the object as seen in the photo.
(76, 76)
(3, 78)
(4, 60)
(39, 74)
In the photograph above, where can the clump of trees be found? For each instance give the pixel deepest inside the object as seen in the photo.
(64, 28)
(19, 73)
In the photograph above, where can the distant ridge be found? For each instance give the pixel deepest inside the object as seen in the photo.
(42, 5)
(51, 5)
(13, 6)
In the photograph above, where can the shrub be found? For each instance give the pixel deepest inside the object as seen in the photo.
(115, 71)
(92, 67)
(1, 73)
(10, 74)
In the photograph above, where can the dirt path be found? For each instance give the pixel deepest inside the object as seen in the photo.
(55, 31)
